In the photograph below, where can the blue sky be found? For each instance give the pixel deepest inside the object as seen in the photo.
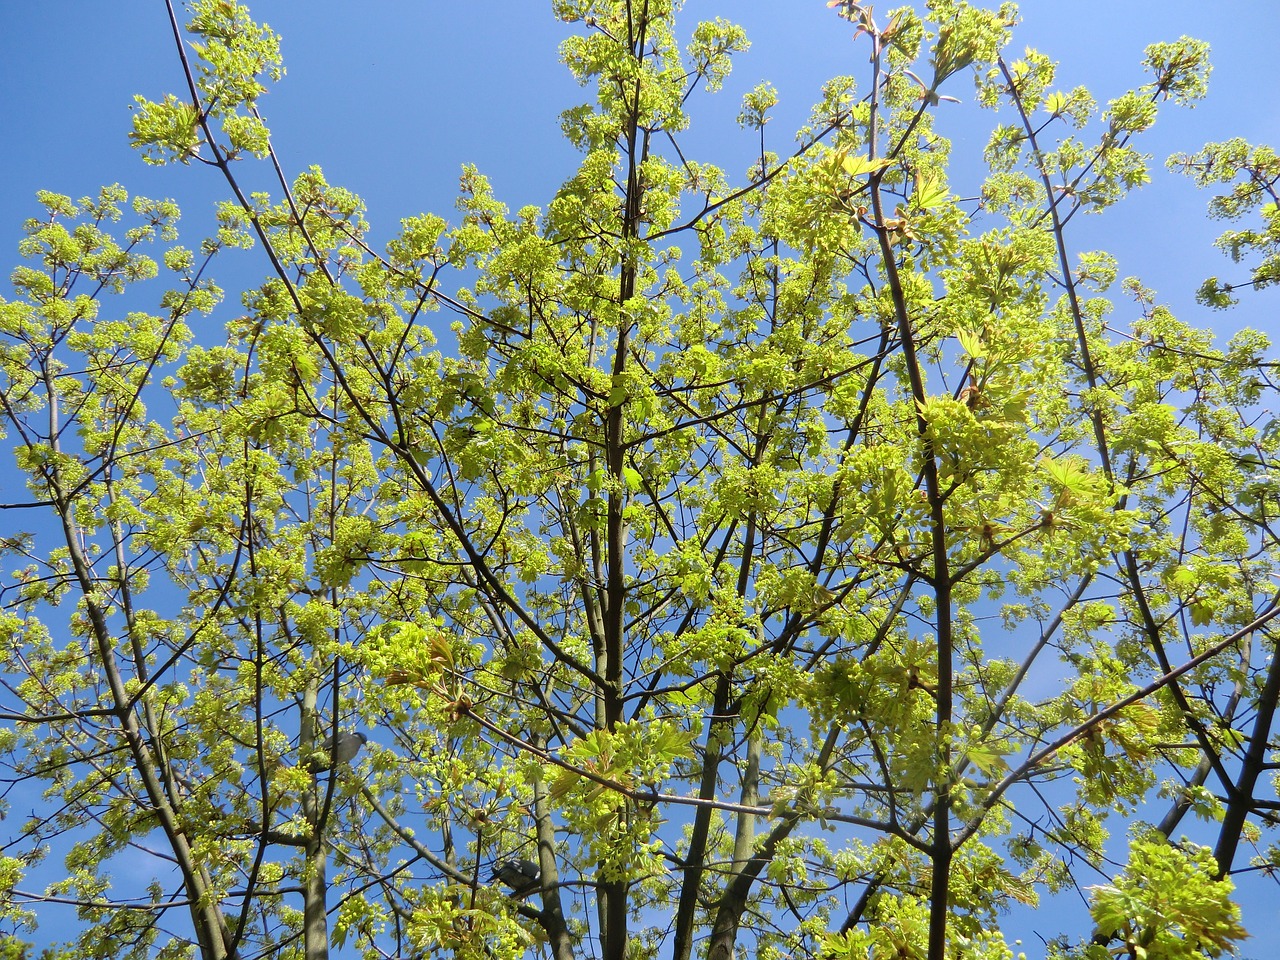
(391, 100)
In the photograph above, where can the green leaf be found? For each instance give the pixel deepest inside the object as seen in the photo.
(929, 192)
(860, 166)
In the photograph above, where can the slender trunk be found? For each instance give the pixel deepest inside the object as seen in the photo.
(724, 934)
(737, 892)
(552, 918)
(941, 850)
(691, 882)
(315, 919)
(315, 922)
(612, 894)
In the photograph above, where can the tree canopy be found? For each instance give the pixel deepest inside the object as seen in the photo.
(805, 561)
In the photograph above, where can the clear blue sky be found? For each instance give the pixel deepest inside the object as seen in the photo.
(390, 97)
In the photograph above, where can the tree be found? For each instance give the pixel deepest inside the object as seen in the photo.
(723, 561)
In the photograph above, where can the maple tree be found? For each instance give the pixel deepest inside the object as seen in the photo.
(802, 564)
